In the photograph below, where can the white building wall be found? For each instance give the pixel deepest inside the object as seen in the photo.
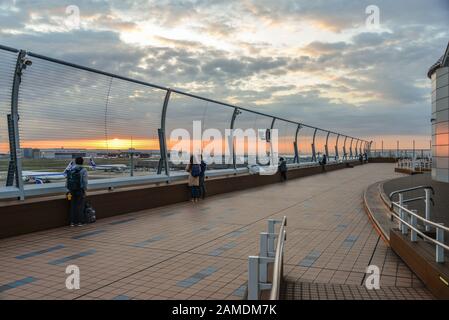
(440, 125)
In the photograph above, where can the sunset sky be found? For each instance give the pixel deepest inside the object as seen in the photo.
(311, 61)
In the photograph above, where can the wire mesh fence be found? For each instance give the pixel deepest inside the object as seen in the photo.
(124, 127)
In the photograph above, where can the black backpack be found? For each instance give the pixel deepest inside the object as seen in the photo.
(74, 179)
(89, 213)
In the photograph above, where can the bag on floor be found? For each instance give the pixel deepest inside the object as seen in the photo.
(89, 213)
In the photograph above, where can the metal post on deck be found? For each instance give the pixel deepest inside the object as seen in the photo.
(336, 147)
(404, 217)
(413, 223)
(295, 144)
(326, 148)
(350, 149)
(313, 146)
(231, 138)
(15, 167)
(427, 202)
(263, 252)
(401, 204)
(439, 249)
(253, 278)
(163, 136)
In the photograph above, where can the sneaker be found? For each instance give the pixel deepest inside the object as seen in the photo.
(80, 224)
(72, 224)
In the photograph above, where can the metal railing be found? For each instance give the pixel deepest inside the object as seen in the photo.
(408, 220)
(415, 164)
(53, 106)
(270, 257)
(401, 153)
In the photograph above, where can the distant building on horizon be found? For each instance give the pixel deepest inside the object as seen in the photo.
(439, 74)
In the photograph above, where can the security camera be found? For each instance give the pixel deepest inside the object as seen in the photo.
(27, 62)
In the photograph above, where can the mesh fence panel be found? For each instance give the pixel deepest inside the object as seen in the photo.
(249, 120)
(305, 140)
(7, 67)
(331, 144)
(343, 146)
(286, 136)
(320, 142)
(182, 112)
(67, 112)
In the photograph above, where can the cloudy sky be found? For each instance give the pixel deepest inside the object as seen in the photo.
(317, 62)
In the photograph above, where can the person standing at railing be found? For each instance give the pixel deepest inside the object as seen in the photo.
(194, 170)
(203, 167)
(323, 162)
(283, 169)
(77, 180)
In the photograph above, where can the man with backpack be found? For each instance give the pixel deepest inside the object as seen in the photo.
(77, 186)
(323, 162)
(283, 169)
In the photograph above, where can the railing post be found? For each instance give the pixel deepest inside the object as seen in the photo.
(350, 149)
(413, 223)
(263, 271)
(231, 138)
(439, 249)
(336, 147)
(253, 278)
(313, 146)
(163, 136)
(295, 144)
(15, 166)
(401, 212)
(326, 148)
(428, 207)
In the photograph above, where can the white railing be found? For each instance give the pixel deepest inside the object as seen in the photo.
(408, 220)
(258, 266)
(415, 164)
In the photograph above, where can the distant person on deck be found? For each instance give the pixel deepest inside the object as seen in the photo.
(365, 157)
(203, 167)
(77, 181)
(283, 169)
(194, 170)
(323, 162)
(361, 158)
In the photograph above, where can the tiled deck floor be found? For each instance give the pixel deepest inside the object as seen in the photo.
(188, 251)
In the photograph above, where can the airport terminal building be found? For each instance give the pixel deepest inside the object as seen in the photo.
(439, 74)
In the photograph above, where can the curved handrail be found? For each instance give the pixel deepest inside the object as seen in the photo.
(411, 189)
(278, 261)
(431, 223)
